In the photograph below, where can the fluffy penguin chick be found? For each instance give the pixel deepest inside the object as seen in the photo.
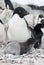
(12, 48)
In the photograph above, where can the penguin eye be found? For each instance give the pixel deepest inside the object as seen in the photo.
(41, 16)
(20, 11)
(42, 21)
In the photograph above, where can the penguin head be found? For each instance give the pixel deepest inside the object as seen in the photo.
(20, 11)
(41, 17)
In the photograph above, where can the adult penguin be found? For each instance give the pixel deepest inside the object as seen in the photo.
(19, 33)
(38, 31)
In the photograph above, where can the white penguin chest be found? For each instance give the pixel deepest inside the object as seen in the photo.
(18, 31)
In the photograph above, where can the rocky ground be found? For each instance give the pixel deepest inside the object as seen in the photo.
(36, 57)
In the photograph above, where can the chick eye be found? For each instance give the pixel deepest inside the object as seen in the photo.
(40, 16)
